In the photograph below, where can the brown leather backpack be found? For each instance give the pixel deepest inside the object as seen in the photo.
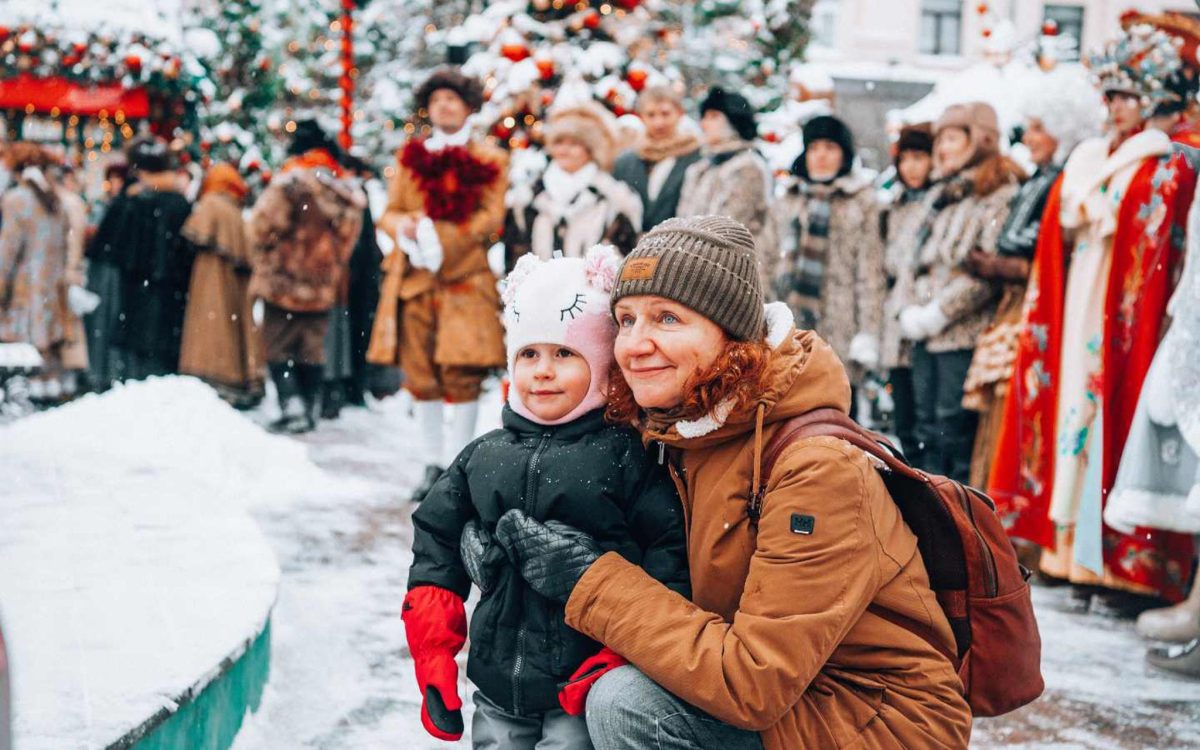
(972, 567)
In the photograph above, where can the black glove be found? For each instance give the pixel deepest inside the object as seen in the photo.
(551, 556)
(481, 556)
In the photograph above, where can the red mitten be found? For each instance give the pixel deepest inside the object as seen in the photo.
(572, 696)
(435, 623)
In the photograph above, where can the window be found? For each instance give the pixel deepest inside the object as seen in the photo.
(823, 24)
(941, 27)
(1070, 27)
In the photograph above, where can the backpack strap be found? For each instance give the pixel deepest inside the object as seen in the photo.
(835, 423)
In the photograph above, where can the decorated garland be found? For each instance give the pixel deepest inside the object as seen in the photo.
(89, 58)
(452, 179)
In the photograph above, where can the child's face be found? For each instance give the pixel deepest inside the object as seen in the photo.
(551, 380)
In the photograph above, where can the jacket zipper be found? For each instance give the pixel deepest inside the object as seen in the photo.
(989, 564)
(522, 632)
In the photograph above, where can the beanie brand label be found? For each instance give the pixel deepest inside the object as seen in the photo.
(639, 269)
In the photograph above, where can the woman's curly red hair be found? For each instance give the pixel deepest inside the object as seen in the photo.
(738, 373)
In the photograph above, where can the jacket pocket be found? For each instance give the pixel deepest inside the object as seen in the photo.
(844, 703)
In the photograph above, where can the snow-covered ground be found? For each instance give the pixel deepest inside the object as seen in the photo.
(339, 524)
(129, 566)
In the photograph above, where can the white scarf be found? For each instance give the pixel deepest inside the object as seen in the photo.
(441, 139)
(563, 186)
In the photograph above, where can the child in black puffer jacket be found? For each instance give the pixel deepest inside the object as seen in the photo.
(557, 460)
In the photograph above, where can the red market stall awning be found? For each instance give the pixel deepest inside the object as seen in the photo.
(46, 94)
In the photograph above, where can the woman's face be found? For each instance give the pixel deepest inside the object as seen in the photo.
(951, 150)
(1040, 143)
(660, 345)
(569, 154)
(716, 128)
(914, 168)
(1124, 112)
(823, 158)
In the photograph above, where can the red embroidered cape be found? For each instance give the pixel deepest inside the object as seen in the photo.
(1147, 250)
(452, 180)
(1022, 473)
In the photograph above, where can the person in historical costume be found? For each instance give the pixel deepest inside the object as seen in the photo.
(137, 329)
(1177, 116)
(302, 230)
(1060, 109)
(33, 266)
(439, 310)
(221, 343)
(1158, 483)
(733, 179)
(656, 166)
(576, 203)
(950, 307)
(903, 225)
(831, 274)
(1088, 336)
(79, 300)
(365, 278)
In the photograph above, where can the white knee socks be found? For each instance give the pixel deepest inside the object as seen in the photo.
(430, 429)
(462, 429)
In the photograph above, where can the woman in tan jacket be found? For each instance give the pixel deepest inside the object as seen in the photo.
(776, 648)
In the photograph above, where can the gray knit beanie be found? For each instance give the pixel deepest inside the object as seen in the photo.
(708, 263)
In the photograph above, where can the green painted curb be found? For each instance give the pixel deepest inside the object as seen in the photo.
(208, 715)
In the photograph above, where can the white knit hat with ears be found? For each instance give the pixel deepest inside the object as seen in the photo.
(564, 301)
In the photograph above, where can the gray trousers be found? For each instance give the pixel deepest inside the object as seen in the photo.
(493, 728)
(626, 710)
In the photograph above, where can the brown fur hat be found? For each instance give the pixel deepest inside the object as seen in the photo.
(468, 89)
(587, 124)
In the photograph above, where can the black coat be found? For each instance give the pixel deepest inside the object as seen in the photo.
(634, 171)
(141, 235)
(593, 476)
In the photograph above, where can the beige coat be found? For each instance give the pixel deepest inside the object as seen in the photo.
(468, 331)
(736, 183)
(973, 222)
(221, 343)
(33, 272)
(852, 294)
(777, 637)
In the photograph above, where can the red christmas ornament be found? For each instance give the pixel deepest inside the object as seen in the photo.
(771, 137)
(70, 61)
(264, 64)
(981, 9)
(5, 33)
(987, 33)
(1050, 27)
(79, 48)
(253, 166)
(515, 51)
(545, 66)
(592, 20)
(547, 98)
(637, 78)
(628, 4)
(133, 62)
(501, 131)
(25, 46)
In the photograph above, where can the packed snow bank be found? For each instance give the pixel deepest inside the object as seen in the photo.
(130, 569)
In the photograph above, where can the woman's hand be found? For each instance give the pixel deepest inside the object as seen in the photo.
(551, 556)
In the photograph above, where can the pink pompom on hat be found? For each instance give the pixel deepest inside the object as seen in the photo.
(565, 302)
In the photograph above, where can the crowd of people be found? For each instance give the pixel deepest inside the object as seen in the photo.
(1016, 309)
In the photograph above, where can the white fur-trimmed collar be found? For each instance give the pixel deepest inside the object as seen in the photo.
(779, 324)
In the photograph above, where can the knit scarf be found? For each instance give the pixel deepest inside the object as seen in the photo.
(675, 146)
(806, 248)
(452, 179)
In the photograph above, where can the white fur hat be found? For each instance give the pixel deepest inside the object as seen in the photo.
(564, 301)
